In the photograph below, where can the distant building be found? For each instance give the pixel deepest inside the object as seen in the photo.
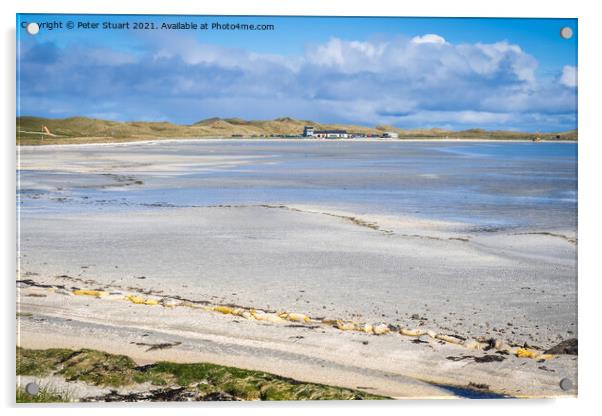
(308, 131)
(391, 135)
(331, 134)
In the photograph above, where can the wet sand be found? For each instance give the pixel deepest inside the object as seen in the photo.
(319, 260)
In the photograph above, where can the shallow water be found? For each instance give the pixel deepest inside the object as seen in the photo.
(488, 185)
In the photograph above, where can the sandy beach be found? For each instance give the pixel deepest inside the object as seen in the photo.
(176, 244)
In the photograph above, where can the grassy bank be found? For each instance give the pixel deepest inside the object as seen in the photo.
(45, 395)
(170, 381)
(78, 130)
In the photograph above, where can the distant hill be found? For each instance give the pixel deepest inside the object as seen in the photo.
(89, 130)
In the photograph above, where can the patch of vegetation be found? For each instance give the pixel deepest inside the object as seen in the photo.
(99, 368)
(248, 384)
(202, 379)
(45, 395)
(90, 366)
(40, 362)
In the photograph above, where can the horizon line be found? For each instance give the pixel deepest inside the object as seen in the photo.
(283, 118)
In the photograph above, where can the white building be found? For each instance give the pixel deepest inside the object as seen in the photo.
(308, 131)
(331, 134)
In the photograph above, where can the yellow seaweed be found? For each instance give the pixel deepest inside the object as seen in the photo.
(138, 300)
(226, 310)
(381, 329)
(170, 303)
(83, 292)
(526, 353)
(411, 332)
(295, 317)
(280, 317)
(449, 339)
(346, 325)
(269, 317)
(367, 328)
(274, 319)
(248, 314)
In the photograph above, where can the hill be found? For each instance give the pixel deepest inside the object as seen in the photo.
(89, 130)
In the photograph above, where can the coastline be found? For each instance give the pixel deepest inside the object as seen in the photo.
(267, 139)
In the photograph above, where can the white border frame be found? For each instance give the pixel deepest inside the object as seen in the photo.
(590, 34)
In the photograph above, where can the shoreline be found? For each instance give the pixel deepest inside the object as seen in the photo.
(317, 354)
(267, 139)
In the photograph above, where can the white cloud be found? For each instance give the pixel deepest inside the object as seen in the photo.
(569, 76)
(419, 82)
(499, 58)
(429, 38)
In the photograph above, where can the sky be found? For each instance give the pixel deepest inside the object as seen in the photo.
(510, 74)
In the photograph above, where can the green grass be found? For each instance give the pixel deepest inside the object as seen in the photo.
(103, 369)
(45, 395)
(40, 362)
(90, 366)
(247, 384)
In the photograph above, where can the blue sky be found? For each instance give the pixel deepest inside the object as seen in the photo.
(516, 74)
